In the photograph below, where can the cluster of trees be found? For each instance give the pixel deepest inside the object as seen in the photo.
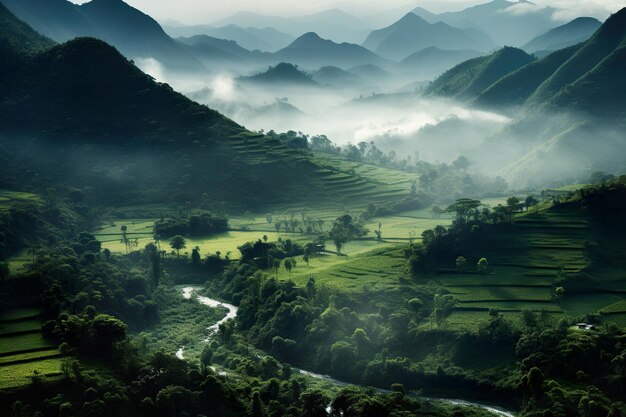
(345, 229)
(304, 225)
(198, 223)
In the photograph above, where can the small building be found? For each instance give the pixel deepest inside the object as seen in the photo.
(585, 326)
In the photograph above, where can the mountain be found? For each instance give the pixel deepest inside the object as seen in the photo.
(412, 34)
(266, 39)
(83, 115)
(469, 79)
(18, 35)
(213, 51)
(336, 77)
(511, 23)
(572, 33)
(512, 90)
(282, 73)
(312, 51)
(134, 33)
(431, 62)
(332, 24)
(573, 110)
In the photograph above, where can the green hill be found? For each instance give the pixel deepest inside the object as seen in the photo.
(598, 59)
(18, 35)
(134, 33)
(470, 78)
(515, 88)
(282, 73)
(81, 114)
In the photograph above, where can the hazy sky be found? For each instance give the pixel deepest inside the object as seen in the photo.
(207, 11)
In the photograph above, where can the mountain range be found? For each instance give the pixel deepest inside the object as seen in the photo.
(469, 79)
(313, 51)
(511, 23)
(266, 39)
(134, 33)
(332, 24)
(83, 114)
(413, 33)
(571, 33)
(568, 107)
(431, 62)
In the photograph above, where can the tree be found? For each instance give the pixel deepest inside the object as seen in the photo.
(461, 263)
(256, 406)
(464, 208)
(311, 290)
(106, 331)
(155, 263)
(379, 233)
(314, 404)
(513, 203)
(339, 239)
(107, 254)
(531, 201)
(177, 243)
(195, 256)
(436, 212)
(269, 218)
(288, 265)
(124, 230)
(483, 266)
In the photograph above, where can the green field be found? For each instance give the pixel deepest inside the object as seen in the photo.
(21, 374)
(375, 267)
(19, 326)
(25, 355)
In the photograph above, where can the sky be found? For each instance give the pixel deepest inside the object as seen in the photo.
(207, 11)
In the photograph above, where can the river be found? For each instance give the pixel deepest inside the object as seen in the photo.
(187, 293)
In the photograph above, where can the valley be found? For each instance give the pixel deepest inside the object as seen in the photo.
(378, 210)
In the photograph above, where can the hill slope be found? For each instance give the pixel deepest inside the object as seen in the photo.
(592, 80)
(332, 24)
(515, 88)
(572, 33)
(282, 73)
(134, 33)
(81, 114)
(266, 39)
(412, 33)
(432, 61)
(511, 23)
(469, 79)
(313, 51)
(18, 35)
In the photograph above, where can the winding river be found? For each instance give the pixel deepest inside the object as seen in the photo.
(187, 293)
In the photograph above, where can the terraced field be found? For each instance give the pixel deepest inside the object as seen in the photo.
(24, 352)
(527, 262)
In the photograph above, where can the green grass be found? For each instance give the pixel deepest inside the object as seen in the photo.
(23, 342)
(618, 307)
(20, 374)
(374, 267)
(30, 356)
(19, 326)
